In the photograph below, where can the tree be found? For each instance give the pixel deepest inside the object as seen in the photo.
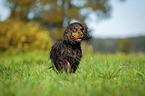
(17, 36)
(57, 14)
(124, 46)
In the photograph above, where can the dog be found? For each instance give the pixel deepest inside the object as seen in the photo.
(66, 54)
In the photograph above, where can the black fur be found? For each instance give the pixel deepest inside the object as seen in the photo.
(67, 53)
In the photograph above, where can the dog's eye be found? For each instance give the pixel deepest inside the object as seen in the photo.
(81, 28)
(75, 28)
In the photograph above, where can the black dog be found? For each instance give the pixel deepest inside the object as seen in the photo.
(66, 54)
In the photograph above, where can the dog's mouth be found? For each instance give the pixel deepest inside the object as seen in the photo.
(77, 36)
(78, 39)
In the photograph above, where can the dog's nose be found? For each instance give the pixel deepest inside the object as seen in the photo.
(80, 33)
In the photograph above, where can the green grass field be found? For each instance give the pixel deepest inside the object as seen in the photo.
(98, 75)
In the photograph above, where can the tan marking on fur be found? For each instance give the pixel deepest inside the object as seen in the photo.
(76, 27)
(69, 69)
(76, 35)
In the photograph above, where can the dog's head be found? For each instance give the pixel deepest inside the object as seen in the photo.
(75, 33)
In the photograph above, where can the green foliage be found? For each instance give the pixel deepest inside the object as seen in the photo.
(109, 75)
(124, 46)
(18, 36)
(57, 14)
(111, 45)
(87, 48)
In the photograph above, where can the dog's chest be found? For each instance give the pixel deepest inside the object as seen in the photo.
(74, 51)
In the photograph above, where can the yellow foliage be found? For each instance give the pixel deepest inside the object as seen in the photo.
(87, 48)
(18, 36)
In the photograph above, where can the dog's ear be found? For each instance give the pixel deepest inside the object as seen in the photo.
(85, 28)
(67, 35)
(86, 33)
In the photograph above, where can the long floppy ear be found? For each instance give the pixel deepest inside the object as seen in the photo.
(86, 33)
(67, 35)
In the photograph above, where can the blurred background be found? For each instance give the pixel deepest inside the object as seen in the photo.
(31, 25)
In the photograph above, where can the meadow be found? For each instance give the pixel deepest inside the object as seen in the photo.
(98, 75)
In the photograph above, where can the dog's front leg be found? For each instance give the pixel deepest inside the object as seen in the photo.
(69, 69)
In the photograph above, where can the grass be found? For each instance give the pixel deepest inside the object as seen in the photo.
(98, 75)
